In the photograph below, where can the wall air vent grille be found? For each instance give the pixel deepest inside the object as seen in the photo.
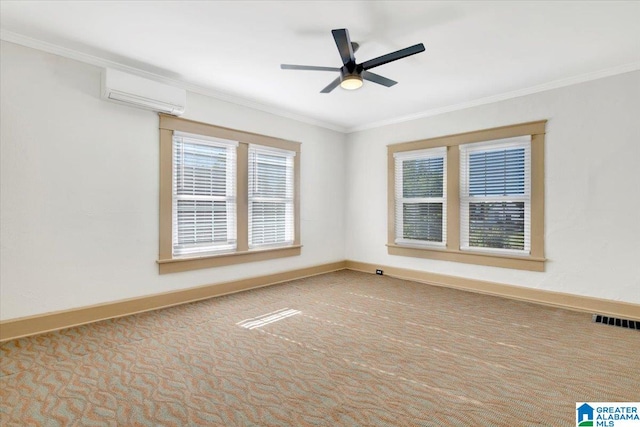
(614, 321)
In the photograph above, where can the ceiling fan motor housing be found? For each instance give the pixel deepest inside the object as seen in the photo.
(346, 73)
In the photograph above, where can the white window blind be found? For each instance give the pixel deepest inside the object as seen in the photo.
(204, 194)
(495, 196)
(271, 197)
(421, 197)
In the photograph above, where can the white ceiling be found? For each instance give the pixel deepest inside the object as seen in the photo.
(475, 50)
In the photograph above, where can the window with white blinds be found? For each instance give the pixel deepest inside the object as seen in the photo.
(271, 196)
(495, 196)
(421, 197)
(204, 194)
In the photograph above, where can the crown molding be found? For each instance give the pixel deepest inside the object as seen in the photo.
(234, 99)
(621, 69)
(33, 43)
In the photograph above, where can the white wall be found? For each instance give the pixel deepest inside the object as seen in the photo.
(79, 189)
(592, 179)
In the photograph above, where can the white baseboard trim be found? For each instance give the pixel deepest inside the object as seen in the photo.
(573, 302)
(33, 325)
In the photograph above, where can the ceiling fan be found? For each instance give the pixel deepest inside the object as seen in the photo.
(352, 73)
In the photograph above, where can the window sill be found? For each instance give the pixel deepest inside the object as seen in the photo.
(176, 265)
(494, 260)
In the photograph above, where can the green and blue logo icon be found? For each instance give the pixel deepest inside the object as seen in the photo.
(585, 415)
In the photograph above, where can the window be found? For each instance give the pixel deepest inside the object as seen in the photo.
(270, 196)
(421, 194)
(226, 196)
(495, 196)
(476, 197)
(204, 194)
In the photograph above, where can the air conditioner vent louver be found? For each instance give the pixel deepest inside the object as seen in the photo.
(614, 321)
(139, 92)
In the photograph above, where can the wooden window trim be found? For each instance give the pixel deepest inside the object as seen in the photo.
(169, 264)
(535, 261)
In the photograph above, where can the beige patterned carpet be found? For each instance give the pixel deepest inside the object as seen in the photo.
(340, 349)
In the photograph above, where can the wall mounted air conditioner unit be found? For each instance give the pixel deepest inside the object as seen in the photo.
(139, 92)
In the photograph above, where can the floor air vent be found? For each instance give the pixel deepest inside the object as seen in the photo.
(614, 321)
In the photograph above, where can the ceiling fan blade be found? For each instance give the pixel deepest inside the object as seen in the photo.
(393, 56)
(331, 86)
(376, 78)
(307, 67)
(343, 42)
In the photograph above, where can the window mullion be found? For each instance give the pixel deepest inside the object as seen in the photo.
(453, 198)
(242, 183)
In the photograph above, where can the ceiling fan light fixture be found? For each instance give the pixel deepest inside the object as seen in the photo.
(351, 82)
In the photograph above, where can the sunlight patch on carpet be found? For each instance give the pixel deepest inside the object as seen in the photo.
(265, 319)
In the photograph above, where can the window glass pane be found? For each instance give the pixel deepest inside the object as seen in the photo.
(423, 177)
(270, 175)
(201, 169)
(268, 221)
(497, 172)
(497, 225)
(422, 221)
(201, 222)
